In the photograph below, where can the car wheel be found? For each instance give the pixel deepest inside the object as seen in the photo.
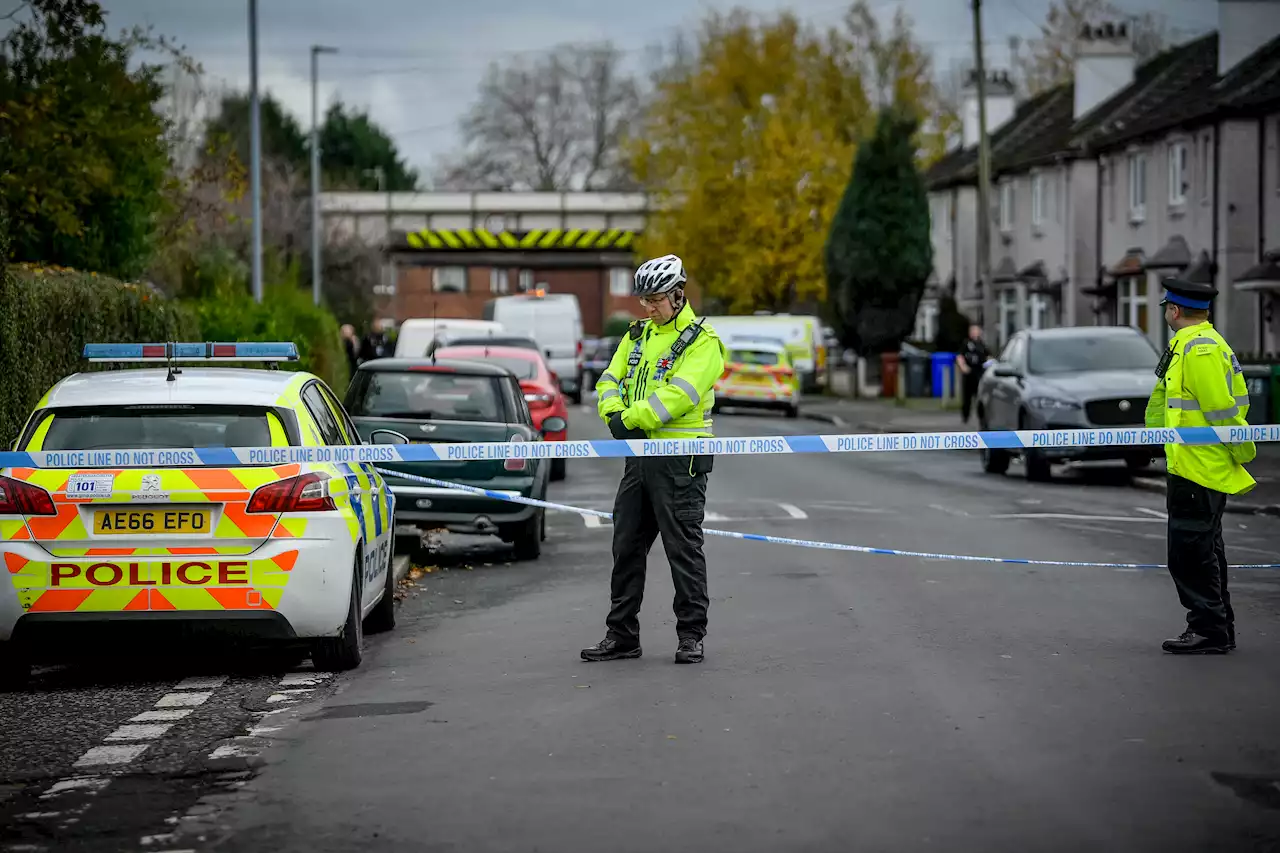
(558, 469)
(343, 652)
(1039, 469)
(793, 411)
(994, 461)
(1137, 464)
(528, 542)
(15, 667)
(383, 616)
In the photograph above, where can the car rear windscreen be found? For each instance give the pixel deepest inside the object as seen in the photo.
(523, 368)
(426, 396)
(1091, 352)
(747, 356)
(150, 427)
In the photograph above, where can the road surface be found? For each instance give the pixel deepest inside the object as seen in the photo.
(847, 702)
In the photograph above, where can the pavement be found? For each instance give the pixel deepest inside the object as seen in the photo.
(847, 702)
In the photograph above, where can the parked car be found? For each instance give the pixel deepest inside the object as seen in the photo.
(759, 373)
(417, 337)
(495, 341)
(554, 320)
(1071, 378)
(541, 390)
(439, 400)
(596, 355)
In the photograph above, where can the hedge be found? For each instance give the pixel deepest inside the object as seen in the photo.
(50, 313)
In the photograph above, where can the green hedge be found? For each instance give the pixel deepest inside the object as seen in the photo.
(50, 313)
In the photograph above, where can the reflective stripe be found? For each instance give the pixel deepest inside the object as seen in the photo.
(659, 409)
(606, 377)
(1196, 342)
(687, 387)
(1242, 400)
(1222, 414)
(684, 429)
(612, 392)
(1185, 405)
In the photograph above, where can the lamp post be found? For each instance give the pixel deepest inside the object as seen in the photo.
(316, 50)
(255, 152)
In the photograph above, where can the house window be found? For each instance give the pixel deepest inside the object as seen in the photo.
(948, 211)
(499, 281)
(1037, 312)
(526, 281)
(1109, 182)
(1137, 187)
(619, 281)
(450, 280)
(1178, 173)
(1206, 169)
(1008, 315)
(1037, 199)
(1006, 206)
(1131, 302)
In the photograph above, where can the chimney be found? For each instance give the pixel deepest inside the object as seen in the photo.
(1243, 27)
(1000, 103)
(1104, 65)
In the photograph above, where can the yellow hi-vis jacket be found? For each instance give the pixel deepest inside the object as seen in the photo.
(1204, 385)
(666, 395)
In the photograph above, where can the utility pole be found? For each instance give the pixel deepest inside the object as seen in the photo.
(984, 181)
(255, 151)
(316, 50)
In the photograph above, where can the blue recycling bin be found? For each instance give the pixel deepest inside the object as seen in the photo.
(944, 371)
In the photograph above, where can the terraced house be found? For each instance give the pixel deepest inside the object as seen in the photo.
(1130, 172)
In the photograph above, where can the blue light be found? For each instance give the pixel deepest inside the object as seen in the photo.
(193, 351)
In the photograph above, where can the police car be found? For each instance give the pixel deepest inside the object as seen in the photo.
(758, 372)
(298, 552)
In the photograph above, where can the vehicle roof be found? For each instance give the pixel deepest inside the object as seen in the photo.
(1082, 332)
(404, 365)
(490, 340)
(194, 385)
(761, 346)
(464, 351)
(460, 322)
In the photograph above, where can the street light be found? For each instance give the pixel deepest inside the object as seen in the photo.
(255, 152)
(316, 50)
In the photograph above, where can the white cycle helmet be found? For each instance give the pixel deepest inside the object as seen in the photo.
(658, 276)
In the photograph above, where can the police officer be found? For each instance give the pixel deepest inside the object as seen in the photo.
(972, 363)
(660, 384)
(1201, 384)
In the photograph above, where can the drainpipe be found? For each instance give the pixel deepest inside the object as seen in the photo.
(1217, 213)
(1262, 225)
(1097, 218)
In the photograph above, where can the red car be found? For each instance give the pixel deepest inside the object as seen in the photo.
(541, 386)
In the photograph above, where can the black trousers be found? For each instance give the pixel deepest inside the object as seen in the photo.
(1198, 558)
(664, 495)
(968, 392)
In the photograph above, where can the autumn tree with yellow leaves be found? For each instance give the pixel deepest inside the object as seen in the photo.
(747, 139)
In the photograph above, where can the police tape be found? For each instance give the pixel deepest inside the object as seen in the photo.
(366, 454)
(785, 540)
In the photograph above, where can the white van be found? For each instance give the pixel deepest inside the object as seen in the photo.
(554, 320)
(419, 336)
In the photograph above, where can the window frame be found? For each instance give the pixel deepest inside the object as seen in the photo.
(499, 280)
(439, 286)
(1006, 205)
(1038, 199)
(313, 387)
(620, 279)
(1178, 155)
(1137, 186)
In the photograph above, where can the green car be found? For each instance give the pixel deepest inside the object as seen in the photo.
(448, 400)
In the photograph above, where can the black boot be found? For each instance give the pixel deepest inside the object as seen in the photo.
(1191, 643)
(610, 649)
(689, 650)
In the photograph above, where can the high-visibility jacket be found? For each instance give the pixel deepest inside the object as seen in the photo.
(1204, 385)
(667, 394)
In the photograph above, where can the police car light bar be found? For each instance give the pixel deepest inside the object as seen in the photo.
(209, 351)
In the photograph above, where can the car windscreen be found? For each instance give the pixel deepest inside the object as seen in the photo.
(751, 356)
(523, 368)
(523, 343)
(1091, 352)
(161, 426)
(426, 396)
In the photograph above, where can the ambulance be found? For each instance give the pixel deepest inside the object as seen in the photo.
(123, 524)
(758, 373)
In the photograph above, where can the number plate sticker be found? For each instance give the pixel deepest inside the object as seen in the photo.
(90, 485)
(150, 521)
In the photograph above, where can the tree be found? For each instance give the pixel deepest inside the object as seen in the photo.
(878, 252)
(352, 146)
(282, 138)
(553, 123)
(1048, 61)
(83, 162)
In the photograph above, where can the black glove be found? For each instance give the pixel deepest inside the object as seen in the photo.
(620, 431)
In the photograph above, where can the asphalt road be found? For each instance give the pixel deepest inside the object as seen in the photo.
(847, 702)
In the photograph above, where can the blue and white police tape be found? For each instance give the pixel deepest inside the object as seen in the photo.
(614, 448)
(784, 540)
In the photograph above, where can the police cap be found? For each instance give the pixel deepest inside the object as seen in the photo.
(1188, 294)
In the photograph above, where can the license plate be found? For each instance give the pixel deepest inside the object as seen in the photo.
(146, 521)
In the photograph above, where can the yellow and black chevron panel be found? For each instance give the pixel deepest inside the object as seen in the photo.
(478, 239)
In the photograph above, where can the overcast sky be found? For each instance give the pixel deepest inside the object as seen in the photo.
(415, 64)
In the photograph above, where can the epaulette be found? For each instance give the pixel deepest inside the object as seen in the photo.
(636, 329)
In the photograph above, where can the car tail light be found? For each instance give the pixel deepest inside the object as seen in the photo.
(19, 498)
(515, 464)
(303, 493)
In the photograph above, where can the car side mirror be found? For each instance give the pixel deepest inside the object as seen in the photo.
(387, 436)
(555, 377)
(554, 424)
(1006, 370)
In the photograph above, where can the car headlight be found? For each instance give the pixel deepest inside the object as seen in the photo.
(1053, 404)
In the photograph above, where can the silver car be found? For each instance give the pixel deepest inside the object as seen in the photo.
(1084, 377)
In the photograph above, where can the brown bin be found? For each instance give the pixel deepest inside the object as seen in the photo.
(889, 365)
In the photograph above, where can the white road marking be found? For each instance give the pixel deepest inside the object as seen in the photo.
(593, 521)
(846, 507)
(165, 716)
(183, 700)
(89, 784)
(1157, 513)
(793, 511)
(103, 755)
(234, 750)
(202, 683)
(304, 679)
(949, 510)
(715, 516)
(143, 731)
(1067, 516)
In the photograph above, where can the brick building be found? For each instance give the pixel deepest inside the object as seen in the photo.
(449, 253)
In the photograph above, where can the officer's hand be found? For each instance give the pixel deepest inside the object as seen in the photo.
(616, 427)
